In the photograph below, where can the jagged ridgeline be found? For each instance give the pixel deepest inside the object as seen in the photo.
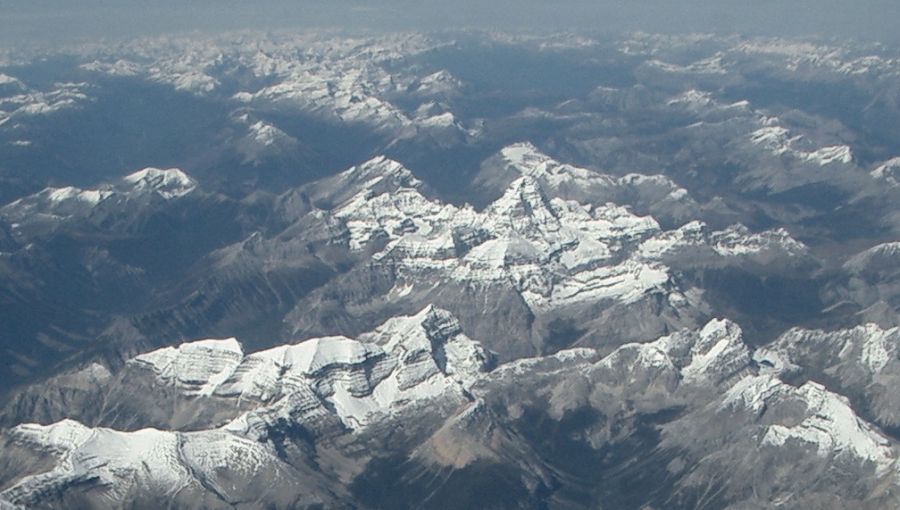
(416, 412)
(465, 270)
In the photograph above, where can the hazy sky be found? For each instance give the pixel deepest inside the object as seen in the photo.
(55, 20)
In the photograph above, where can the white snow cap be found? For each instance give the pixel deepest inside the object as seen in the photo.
(169, 183)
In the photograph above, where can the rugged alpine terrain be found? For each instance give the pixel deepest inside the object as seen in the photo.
(456, 270)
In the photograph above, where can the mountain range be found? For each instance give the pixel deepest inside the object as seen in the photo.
(453, 270)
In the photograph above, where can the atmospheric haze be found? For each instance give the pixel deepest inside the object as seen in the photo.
(48, 21)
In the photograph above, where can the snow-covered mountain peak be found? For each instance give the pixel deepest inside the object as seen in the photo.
(59, 195)
(70, 202)
(11, 82)
(868, 348)
(888, 172)
(371, 178)
(527, 160)
(654, 194)
(715, 353)
(860, 362)
(882, 257)
(268, 135)
(739, 240)
(195, 367)
(437, 332)
(546, 249)
(718, 353)
(430, 326)
(118, 464)
(435, 323)
(103, 452)
(438, 83)
(59, 438)
(382, 167)
(390, 214)
(523, 199)
(695, 243)
(269, 375)
(524, 155)
(406, 360)
(53, 209)
(692, 98)
(582, 233)
(830, 424)
(713, 356)
(721, 328)
(168, 183)
(779, 141)
(312, 356)
(61, 202)
(809, 414)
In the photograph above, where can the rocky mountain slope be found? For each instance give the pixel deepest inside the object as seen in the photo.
(307, 424)
(456, 270)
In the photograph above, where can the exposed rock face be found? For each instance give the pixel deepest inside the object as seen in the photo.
(317, 416)
(531, 258)
(860, 362)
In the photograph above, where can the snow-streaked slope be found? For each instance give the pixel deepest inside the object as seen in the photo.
(57, 201)
(406, 360)
(888, 172)
(52, 205)
(168, 183)
(550, 250)
(389, 214)
(119, 460)
(196, 367)
(713, 355)
(337, 79)
(862, 362)
(695, 244)
(326, 385)
(780, 141)
(867, 347)
(147, 465)
(811, 415)
(554, 251)
(872, 284)
(651, 192)
(25, 102)
(526, 159)
(371, 178)
(344, 394)
(880, 258)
